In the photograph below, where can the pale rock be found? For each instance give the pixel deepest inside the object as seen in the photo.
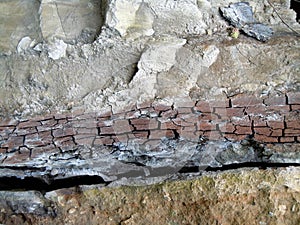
(130, 17)
(24, 44)
(18, 19)
(71, 20)
(57, 49)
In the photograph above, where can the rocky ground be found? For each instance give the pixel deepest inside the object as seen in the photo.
(138, 112)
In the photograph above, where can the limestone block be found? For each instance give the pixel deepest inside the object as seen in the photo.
(18, 18)
(70, 20)
(143, 18)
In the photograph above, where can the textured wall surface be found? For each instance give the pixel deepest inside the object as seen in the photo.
(138, 112)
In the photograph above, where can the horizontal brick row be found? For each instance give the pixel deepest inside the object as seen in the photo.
(269, 120)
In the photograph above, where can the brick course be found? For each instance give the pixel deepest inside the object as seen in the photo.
(270, 120)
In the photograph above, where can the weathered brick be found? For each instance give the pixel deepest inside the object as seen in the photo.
(275, 100)
(123, 138)
(84, 140)
(92, 123)
(185, 103)
(238, 112)
(293, 124)
(104, 114)
(286, 139)
(160, 107)
(142, 105)
(62, 121)
(294, 98)
(8, 123)
(86, 131)
(182, 123)
(222, 112)
(243, 130)
(64, 141)
(278, 108)
(207, 116)
(241, 121)
(265, 139)
(189, 135)
(13, 142)
(184, 111)
(60, 116)
(25, 131)
(277, 133)
(213, 135)
(140, 134)
(106, 130)
(263, 131)
(38, 139)
(28, 124)
(40, 151)
(3, 150)
(291, 132)
(256, 109)
(133, 114)
(219, 103)
(169, 114)
(258, 121)
(50, 122)
(203, 106)
(276, 124)
(103, 141)
(295, 107)
(227, 128)
(158, 134)
(122, 126)
(234, 137)
(245, 101)
(206, 126)
(168, 125)
(63, 132)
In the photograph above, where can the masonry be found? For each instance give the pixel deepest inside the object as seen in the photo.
(274, 119)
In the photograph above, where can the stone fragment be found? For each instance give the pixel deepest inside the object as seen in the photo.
(241, 16)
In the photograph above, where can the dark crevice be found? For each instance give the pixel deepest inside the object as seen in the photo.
(295, 5)
(38, 184)
(234, 166)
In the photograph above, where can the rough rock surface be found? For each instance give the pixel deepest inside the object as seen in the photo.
(95, 95)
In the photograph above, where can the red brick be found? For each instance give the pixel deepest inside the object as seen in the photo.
(222, 112)
(50, 122)
(243, 130)
(294, 98)
(206, 126)
(62, 121)
(169, 114)
(265, 139)
(84, 140)
(188, 135)
(160, 107)
(169, 125)
(64, 141)
(86, 131)
(241, 121)
(29, 130)
(295, 107)
(227, 128)
(275, 100)
(278, 108)
(245, 101)
(235, 137)
(106, 130)
(184, 111)
(291, 132)
(105, 123)
(142, 105)
(182, 123)
(238, 112)
(293, 124)
(28, 124)
(140, 134)
(140, 121)
(207, 116)
(64, 132)
(286, 139)
(40, 139)
(13, 142)
(121, 138)
(203, 106)
(8, 123)
(258, 121)
(103, 141)
(92, 123)
(263, 131)
(256, 110)
(158, 134)
(122, 126)
(213, 135)
(39, 151)
(219, 103)
(277, 133)
(276, 124)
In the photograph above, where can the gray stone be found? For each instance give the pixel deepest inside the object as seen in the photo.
(241, 16)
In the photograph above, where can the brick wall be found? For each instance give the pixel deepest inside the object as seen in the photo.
(269, 120)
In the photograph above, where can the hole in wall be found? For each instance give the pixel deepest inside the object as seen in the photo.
(295, 5)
